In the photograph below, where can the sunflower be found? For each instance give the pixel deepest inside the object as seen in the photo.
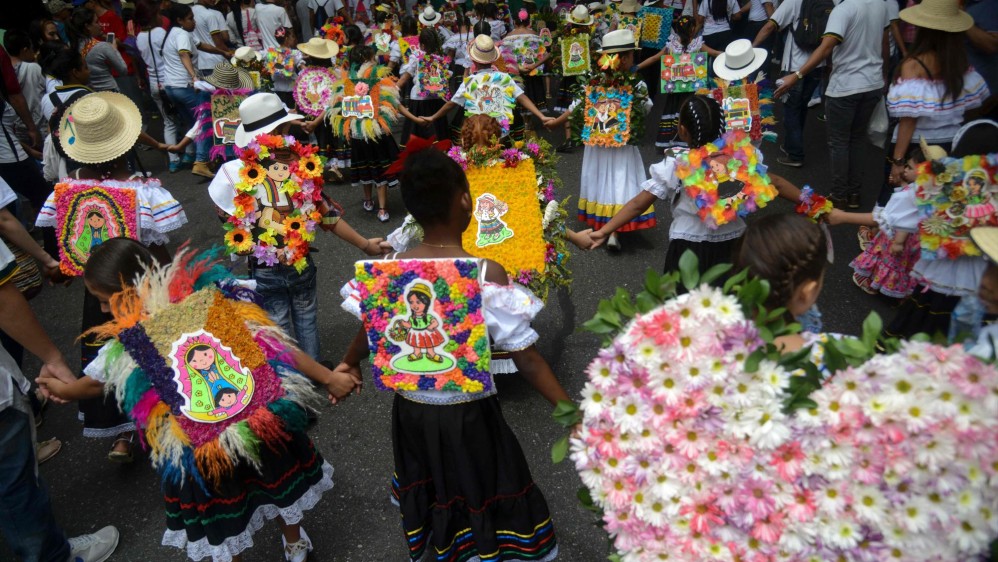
(310, 167)
(239, 240)
(250, 175)
(294, 224)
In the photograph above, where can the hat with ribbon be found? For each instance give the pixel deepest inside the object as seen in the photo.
(738, 60)
(227, 77)
(429, 16)
(259, 114)
(580, 16)
(483, 50)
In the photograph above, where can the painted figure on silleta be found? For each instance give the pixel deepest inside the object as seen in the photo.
(420, 331)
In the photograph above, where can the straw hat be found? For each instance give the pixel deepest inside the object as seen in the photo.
(986, 238)
(931, 152)
(630, 6)
(56, 6)
(100, 127)
(319, 48)
(259, 114)
(429, 16)
(483, 50)
(618, 41)
(944, 15)
(245, 54)
(580, 16)
(739, 60)
(227, 77)
(594, 7)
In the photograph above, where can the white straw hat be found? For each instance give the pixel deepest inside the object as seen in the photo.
(227, 77)
(245, 54)
(100, 127)
(618, 41)
(320, 48)
(483, 50)
(429, 16)
(942, 15)
(630, 6)
(580, 16)
(986, 238)
(259, 114)
(738, 60)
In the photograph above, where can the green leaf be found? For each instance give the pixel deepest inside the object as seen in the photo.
(872, 327)
(614, 557)
(653, 284)
(598, 326)
(775, 313)
(559, 450)
(585, 497)
(646, 302)
(792, 359)
(834, 359)
(753, 360)
(715, 273)
(567, 413)
(689, 269)
(622, 301)
(608, 313)
(735, 280)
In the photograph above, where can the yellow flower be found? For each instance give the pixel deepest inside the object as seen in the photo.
(294, 224)
(249, 176)
(267, 237)
(239, 240)
(310, 167)
(290, 187)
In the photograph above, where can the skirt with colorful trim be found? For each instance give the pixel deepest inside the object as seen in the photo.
(370, 158)
(610, 178)
(220, 521)
(463, 485)
(924, 311)
(101, 416)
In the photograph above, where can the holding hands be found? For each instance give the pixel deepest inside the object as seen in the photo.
(342, 381)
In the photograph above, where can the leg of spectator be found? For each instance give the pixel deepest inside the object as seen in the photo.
(840, 112)
(866, 102)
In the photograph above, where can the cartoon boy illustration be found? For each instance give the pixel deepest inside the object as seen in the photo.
(203, 360)
(491, 228)
(607, 121)
(94, 232)
(424, 335)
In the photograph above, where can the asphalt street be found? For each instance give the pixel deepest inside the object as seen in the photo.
(355, 521)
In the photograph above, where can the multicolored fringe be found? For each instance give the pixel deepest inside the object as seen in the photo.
(380, 85)
(202, 116)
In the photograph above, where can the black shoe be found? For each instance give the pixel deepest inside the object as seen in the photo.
(821, 117)
(854, 201)
(788, 161)
(839, 202)
(566, 147)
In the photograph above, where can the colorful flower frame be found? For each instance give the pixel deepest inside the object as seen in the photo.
(89, 213)
(256, 228)
(607, 117)
(656, 25)
(575, 56)
(953, 196)
(725, 179)
(433, 74)
(527, 49)
(415, 310)
(748, 107)
(312, 90)
(490, 93)
(684, 72)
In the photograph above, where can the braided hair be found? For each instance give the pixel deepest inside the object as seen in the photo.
(703, 119)
(787, 250)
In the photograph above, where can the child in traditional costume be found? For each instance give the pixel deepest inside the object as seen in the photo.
(233, 459)
(429, 71)
(579, 23)
(461, 480)
(283, 64)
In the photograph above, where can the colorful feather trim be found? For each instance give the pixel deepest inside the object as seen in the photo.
(374, 98)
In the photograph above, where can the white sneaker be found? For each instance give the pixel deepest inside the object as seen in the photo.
(297, 551)
(96, 547)
(612, 242)
(813, 101)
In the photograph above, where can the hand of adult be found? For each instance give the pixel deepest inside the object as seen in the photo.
(788, 82)
(896, 176)
(53, 377)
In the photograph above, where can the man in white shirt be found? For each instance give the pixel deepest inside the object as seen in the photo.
(856, 39)
(305, 31)
(211, 34)
(270, 16)
(331, 8)
(795, 106)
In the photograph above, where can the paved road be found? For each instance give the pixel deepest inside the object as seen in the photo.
(355, 521)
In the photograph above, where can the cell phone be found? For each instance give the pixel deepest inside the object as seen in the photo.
(109, 38)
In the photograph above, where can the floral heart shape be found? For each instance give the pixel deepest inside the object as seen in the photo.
(691, 455)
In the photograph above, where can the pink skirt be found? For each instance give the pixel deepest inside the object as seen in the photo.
(885, 272)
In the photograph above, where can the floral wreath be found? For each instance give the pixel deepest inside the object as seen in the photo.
(303, 188)
(279, 62)
(742, 165)
(319, 76)
(948, 207)
(812, 205)
(333, 30)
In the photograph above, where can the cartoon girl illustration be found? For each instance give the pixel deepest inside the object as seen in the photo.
(575, 55)
(424, 335)
(94, 232)
(203, 360)
(606, 116)
(491, 228)
(979, 203)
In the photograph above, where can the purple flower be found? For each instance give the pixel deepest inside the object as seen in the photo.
(265, 255)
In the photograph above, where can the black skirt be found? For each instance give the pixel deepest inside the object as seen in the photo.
(668, 124)
(923, 311)
(424, 108)
(101, 416)
(709, 254)
(205, 519)
(533, 86)
(370, 158)
(564, 98)
(650, 74)
(463, 485)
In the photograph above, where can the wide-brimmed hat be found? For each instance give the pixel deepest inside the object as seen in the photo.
(648, 3)
(986, 238)
(259, 114)
(320, 48)
(227, 77)
(245, 54)
(943, 15)
(738, 60)
(629, 6)
(429, 16)
(56, 6)
(931, 151)
(483, 50)
(617, 41)
(580, 16)
(100, 127)
(594, 7)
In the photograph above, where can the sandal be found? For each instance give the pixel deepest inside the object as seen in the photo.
(383, 215)
(368, 205)
(121, 456)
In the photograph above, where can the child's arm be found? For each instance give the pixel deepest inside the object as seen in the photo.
(652, 59)
(82, 388)
(180, 146)
(787, 190)
(14, 232)
(370, 246)
(529, 106)
(897, 243)
(422, 121)
(403, 80)
(581, 239)
(838, 216)
(349, 367)
(633, 208)
(337, 386)
(559, 120)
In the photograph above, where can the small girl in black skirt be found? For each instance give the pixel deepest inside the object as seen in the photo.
(701, 121)
(461, 480)
(429, 72)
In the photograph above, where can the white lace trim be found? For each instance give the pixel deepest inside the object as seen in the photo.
(502, 367)
(104, 432)
(232, 546)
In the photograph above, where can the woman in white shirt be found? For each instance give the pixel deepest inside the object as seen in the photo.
(243, 27)
(179, 61)
(713, 16)
(151, 41)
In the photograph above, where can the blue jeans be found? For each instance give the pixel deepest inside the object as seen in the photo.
(186, 100)
(26, 518)
(795, 114)
(291, 301)
(848, 118)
